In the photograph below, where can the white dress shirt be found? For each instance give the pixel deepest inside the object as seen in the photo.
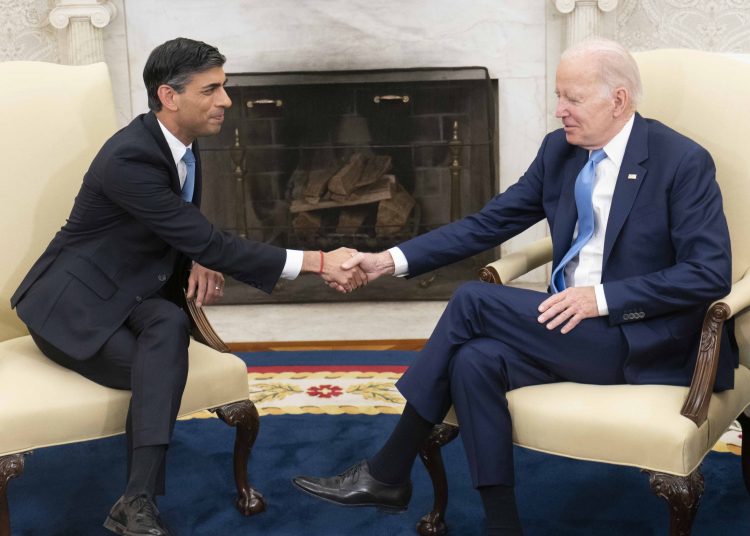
(586, 268)
(293, 264)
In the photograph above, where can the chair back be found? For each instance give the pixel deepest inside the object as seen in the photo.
(704, 95)
(55, 119)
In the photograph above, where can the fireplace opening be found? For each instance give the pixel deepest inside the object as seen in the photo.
(363, 159)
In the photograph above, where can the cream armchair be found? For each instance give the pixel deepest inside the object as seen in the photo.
(55, 118)
(664, 430)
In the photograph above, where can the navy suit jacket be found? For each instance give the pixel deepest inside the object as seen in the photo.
(666, 251)
(127, 236)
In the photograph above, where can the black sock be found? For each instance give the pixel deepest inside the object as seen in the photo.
(144, 470)
(393, 462)
(500, 510)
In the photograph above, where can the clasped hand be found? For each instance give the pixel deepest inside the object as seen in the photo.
(352, 269)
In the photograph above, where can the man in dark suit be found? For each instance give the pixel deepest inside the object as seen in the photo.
(101, 298)
(640, 248)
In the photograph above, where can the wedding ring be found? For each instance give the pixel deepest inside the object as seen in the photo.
(217, 288)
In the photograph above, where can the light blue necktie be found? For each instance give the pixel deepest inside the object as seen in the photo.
(584, 190)
(189, 186)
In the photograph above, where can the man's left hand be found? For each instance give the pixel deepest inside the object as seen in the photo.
(569, 307)
(205, 285)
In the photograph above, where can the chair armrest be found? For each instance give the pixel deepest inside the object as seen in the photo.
(739, 296)
(200, 327)
(516, 264)
(202, 330)
(698, 398)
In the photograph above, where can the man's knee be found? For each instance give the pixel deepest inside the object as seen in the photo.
(467, 299)
(469, 292)
(171, 321)
(176, 317)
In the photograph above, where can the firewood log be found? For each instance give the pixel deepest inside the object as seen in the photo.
(393, 213)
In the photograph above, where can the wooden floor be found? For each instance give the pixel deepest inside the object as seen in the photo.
(287, 346)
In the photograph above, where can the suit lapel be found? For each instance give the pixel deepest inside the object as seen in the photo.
(626, 188)
(152, 126)
(566, 215)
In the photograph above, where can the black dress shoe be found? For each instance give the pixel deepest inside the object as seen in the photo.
(136, 516)
(357, 487)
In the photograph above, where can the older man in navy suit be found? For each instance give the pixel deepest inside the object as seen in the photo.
(101, 298)
(640, 248)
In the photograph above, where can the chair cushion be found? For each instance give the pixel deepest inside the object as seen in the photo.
(43, 404)
(635, 425)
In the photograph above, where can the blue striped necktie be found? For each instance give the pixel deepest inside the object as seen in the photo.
(189, 186)
(584, 190)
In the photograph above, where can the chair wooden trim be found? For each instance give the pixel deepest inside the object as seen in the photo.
(11, 466)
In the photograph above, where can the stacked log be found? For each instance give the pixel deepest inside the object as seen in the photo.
(393, 213)
(359, 188)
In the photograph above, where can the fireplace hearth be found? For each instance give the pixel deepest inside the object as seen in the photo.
(363, 159)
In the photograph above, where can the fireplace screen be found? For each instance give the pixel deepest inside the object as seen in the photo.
(363, 159)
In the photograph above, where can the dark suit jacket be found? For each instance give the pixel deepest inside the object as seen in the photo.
(666, 249)
(126, 235)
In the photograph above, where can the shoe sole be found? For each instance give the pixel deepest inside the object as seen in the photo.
(114, 526)
(381, 507)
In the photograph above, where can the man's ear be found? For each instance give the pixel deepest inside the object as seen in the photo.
(621, 100)
(167, 97)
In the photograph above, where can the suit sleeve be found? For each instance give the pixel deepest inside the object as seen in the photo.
(702, 269)
(506, 215)
(139, 184)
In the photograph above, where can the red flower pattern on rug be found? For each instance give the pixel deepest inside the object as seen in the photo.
(324, 391)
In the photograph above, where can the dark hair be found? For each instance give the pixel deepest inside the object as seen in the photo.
(174, 63)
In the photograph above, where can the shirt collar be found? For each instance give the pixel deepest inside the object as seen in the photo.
(615, 149)
(176, 147)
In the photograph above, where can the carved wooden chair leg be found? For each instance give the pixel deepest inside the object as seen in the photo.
(745, 423)
(683, 495)
(433, 524)
(11, 466)
(244, 416)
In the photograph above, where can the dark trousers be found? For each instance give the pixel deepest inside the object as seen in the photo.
(488, 342)
(148, 354)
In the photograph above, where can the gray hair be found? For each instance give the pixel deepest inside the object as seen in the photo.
(616, 66)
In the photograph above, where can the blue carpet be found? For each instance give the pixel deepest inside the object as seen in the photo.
(68, 490)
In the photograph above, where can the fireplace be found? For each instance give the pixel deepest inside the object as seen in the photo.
(363, 159)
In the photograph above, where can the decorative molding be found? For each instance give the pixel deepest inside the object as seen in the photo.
(714, 25)
(567, 6)
(82, 22)
(99, 13)
(584, 17)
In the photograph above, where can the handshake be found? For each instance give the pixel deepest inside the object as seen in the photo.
(346, 269)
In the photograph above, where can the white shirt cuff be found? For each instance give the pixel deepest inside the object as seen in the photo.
(601, 300)
(293, 264)
(400, 264)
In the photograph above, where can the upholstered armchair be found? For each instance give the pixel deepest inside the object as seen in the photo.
(664, 430)
(55, 118)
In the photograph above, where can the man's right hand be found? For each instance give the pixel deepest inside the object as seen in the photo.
(372, 264)
(340, 278)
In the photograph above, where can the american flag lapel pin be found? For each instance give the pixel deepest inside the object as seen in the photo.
(632, 176)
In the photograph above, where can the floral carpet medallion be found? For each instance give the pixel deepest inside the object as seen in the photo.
(329, 392)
